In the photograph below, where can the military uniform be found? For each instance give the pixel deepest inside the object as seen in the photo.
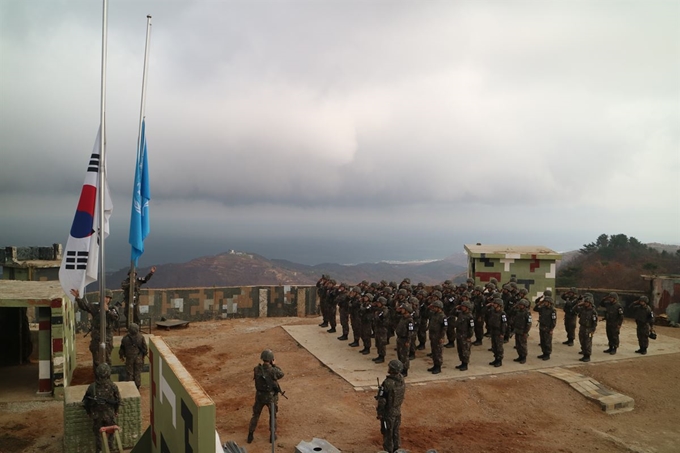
(465, 328)
(331, 306)
(522, 325)
(587, 318)
(366, 314)
(424, 323)
(381, 320)
(644, 319)
(479, 304)
(267, 389)
(321, 292)
(547, 320)
(132, 350)
(390, 397)
(497, 321)
(101, 402)
(613, 317)
(342, 300)
(403, 331)
(570, 316)
(355, 316)
(95, 332)
(125, 286)
(438, 325)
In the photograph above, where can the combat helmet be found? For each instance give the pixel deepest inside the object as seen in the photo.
(103, 371)
(267, 355)
(395, 366)
(133, 329)
(438, 304)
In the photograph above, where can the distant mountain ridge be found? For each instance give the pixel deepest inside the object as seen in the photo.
(245, 269)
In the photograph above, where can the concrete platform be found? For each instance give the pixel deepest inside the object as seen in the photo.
(361, 372)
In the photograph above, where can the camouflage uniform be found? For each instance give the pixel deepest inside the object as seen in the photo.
(587, 324)
(125, 286)
(547, 320)
(342, 300)
(465, 328)
(354, 315)
(267, 389)
(644, 319)
(366, 312)
(403, 331)
(570, 316)
(415, 306)
(480, 314)
(449, 300)
(132, 350)
(331, 306)
(321, 292)
(438, 325)
(424, 322)
(614, 319)
(95, 335)
(101, 402)
(522, 325)
(390, 397)
(497, 321)
(381, 321)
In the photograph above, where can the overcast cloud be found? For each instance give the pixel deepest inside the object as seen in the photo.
(347, 131)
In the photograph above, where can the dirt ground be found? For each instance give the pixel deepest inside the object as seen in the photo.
(518, 412)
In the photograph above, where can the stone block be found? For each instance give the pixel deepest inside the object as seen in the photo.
(78, 435)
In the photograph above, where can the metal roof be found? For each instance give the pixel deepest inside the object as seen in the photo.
(515, 251)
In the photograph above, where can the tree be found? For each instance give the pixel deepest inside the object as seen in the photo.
(618, 241)
(602, 241)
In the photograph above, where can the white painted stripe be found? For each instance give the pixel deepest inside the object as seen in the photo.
(43, 369)
(507, 264)
(553, 268)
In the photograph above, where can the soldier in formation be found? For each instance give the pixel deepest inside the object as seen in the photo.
(458, 312)
(101, 403)
(266, 376)
(644, 320)
(390, 397)
(95, 325)
(132, 351)
(587, 319)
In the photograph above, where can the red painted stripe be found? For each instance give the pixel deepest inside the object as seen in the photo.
(487, 276)
(56, 303)
(58, 345)
(44, 385)
(44, 325)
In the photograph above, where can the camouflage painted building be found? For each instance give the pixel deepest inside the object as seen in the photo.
(35, 264)
(533, 266)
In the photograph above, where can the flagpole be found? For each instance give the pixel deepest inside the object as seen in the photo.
(102, 186)
(142, 111)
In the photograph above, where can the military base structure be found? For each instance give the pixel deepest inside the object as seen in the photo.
(533, 266)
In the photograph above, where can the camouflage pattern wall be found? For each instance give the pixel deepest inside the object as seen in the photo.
(182, 414)
(533, 267)
(203, 304)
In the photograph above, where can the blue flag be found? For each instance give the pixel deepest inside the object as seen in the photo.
(141, 194)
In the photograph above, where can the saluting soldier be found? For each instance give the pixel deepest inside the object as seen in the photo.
(570, 317)
(587, 319)
(613, 317)
(547, 320)
(522, 325)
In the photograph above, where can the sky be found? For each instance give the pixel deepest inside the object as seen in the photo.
(346, 131)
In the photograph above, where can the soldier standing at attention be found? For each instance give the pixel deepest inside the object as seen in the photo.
(125, 286)
(522, 325)
(423, 325)
(354, 302)
(438, 325)
(415, 306)
(570, 316)
(267, 389)
(587, 318)
(613, 317)
(497, 322)
(404, 331)
(321, 292)
(390, 397)
(95, 323)
(644, 318)
(331, 305)
(343, 305)
(547, 320)
(366, 314)
(465, 328)
(101, 402)
(132, 351)
(381, 320)
(479, 311)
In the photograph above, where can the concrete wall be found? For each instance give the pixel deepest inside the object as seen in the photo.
(202, 304)
(63, 345)
(78, 434)
(182, 414)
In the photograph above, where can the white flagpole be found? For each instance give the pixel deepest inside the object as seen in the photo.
(102, 186)
(142, 111)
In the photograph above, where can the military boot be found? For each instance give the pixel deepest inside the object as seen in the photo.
(546, 357)
(494, 362)
(499, 362)
(463, 367)
(331, 330)
(540, 356)
(436, 369)
(477, 343)
(354, 344)
(379, 359)
(323, 324)
(450, 344)
(613, 351)
(365, 351)
(342, 337)
(585, 358)
(608, 350)
(421, 346)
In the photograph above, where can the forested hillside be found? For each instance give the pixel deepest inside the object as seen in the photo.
(617, 261)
